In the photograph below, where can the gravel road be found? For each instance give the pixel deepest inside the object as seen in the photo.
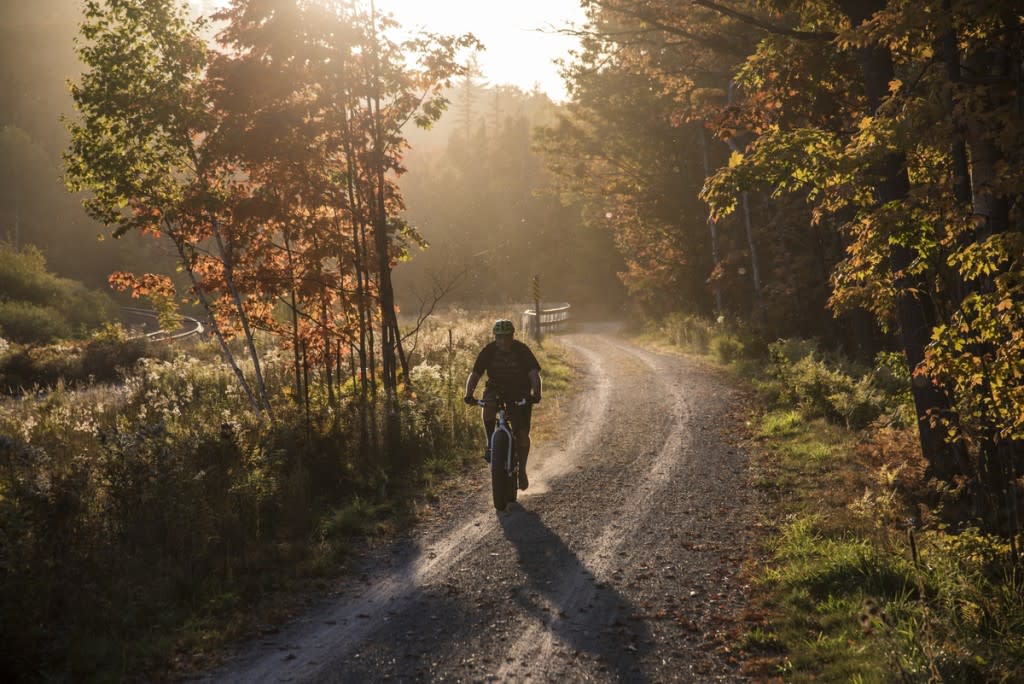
(621, 563)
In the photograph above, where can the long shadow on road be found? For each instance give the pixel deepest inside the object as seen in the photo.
(555, 616)
(591, 618)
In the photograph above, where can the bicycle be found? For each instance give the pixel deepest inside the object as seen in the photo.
(503, 458)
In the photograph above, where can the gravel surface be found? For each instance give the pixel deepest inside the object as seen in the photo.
(622, 562)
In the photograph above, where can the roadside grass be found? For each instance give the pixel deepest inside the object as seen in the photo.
(557, 366)
(860, 581)
(558, 371)
(821, 569)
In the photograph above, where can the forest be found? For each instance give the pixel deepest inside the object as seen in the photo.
(345, 206)
(859, 161)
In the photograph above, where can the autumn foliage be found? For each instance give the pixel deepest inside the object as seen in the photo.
(269, 163)
(860, 164)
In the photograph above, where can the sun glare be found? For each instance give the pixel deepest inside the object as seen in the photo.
(521, 38)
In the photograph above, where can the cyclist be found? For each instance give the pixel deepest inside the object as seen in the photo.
(513, 373)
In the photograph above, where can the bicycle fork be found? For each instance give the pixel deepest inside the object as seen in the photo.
(510, 455)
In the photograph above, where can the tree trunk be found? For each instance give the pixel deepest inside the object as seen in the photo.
(755, 267)
(244, 320)
(297, 362)
(712, 227)
(328, 351)
(961, 181)
(958, 148)
(205, 303)
(390, 341)
(915, 313)
(997, 456)
(360, 258)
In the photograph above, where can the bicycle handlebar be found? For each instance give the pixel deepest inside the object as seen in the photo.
(484, 402)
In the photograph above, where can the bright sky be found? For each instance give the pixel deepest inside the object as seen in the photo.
(520, 36)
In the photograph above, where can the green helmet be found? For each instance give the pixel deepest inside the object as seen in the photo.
(503, 327)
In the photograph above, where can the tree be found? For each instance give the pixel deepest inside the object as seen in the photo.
(914, 247)
(879, 145)
(486, 209)
(269, 164)
(137, 145)
(629, 147)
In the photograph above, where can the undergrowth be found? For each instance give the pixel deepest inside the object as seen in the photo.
(862, 580)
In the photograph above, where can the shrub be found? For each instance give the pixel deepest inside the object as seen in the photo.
(84, 309)
(821, 387)
(105, 358)
(726, 347)
(891, 373)
(689, 332)
(858, 404)
(23, 275)
(787, 351)
(24, 368)
(25, 322)
(38, 307)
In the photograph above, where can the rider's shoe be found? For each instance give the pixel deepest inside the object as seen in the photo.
(487, 454)
(524, 482)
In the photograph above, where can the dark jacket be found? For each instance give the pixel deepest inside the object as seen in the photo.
(507, 374)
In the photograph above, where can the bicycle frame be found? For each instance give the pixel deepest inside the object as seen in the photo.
(504, 467)
(503, 426)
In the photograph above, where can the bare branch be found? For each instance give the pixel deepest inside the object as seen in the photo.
(763, 25)
(660, 24)
(440, 291)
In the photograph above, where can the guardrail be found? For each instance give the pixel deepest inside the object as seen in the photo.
(189, 326)
(553, 318)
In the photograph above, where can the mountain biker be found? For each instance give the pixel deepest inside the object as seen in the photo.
(514, 374)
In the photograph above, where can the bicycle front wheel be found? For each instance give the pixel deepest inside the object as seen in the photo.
(499, 475)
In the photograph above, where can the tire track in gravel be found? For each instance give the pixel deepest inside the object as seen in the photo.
(536, 644)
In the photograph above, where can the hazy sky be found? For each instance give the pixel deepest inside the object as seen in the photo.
(516, 52)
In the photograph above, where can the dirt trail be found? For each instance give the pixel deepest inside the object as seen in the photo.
(621, 563)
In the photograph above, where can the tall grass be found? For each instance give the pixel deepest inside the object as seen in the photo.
(150, 514)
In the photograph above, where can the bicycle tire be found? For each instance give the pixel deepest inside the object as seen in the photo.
(499, 476)
(512, 479)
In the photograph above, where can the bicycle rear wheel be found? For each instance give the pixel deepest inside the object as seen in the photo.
(499, 475)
